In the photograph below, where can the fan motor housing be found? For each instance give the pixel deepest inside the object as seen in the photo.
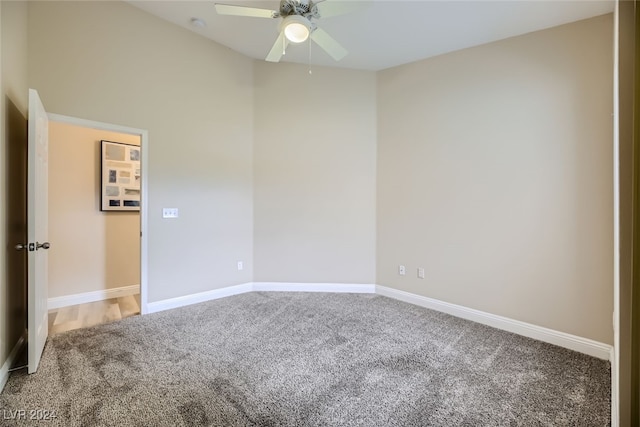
(304, 8)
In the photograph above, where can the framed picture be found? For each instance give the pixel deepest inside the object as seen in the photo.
(120, 176)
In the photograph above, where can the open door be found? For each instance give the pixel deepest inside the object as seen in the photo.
(37, 229)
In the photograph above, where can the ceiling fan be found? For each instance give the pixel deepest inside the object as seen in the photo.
(298, 23)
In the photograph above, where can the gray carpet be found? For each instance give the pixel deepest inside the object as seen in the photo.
(308, 359)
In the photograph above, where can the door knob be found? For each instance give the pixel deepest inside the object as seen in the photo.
(44, 245)
(21, 247)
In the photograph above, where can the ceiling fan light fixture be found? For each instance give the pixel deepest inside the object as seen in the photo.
(296, 28)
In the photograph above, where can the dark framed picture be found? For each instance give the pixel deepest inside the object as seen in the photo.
(120, 176)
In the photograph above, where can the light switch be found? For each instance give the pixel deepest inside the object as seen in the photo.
(169, 212)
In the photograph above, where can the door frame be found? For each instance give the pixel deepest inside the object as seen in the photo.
(144, 140)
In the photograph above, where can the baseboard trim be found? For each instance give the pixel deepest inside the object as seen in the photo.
(85, 297)
(562, 339)
(228, 291)
(182, 301)
(354, 288)
(15, 351)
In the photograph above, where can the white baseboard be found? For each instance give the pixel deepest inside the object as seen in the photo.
(15, 352)
(168, 304)
(354, 288)
(562, 339)
(182, 301)
(85, 297)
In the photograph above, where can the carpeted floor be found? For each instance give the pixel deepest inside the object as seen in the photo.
(307, 359)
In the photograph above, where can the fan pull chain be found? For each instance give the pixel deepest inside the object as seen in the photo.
(310, 56)
(284, 45)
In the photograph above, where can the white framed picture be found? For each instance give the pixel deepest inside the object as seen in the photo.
(120, 176)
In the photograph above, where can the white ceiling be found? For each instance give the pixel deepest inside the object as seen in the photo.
(385, 34)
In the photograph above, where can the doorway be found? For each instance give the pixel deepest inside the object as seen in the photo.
(97, 265)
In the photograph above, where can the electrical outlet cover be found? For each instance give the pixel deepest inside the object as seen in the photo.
(169, 212)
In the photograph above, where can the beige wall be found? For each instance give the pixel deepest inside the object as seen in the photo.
(111, 62)
(92, 250)
(495, 175)
(314, 174)
(13, 110)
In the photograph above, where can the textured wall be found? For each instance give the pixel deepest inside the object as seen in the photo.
(495, 175)
(314, 174)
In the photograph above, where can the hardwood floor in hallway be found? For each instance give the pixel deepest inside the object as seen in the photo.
(93, 313)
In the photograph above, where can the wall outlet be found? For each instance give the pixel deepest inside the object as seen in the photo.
(169, 212)
(402, 270)
(421, 273)
(240, 266)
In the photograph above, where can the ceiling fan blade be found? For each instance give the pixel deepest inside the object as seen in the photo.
(278, 48)
(329, 44)
(227, 9)
(329, 8)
